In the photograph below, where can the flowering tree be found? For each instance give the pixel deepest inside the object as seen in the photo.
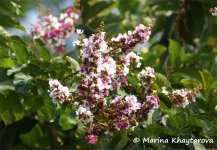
(150, 87)
(105, 69)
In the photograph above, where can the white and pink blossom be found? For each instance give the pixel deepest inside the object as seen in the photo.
(148, 72)
(214, 11)
(153, 100)
(53, 31)
(58, 92)
(181, 97)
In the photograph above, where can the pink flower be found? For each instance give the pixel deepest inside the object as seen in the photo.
(117, 99)
(148, 72)
(92, 139)
(133, 103)
(53, 31)
(180, 98)
(121, 125)
(133, 58)
(214, 11)
(139, 36)
(143, 32)
(153, 100)
(58, 92)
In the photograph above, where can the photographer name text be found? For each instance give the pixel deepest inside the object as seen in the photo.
(173, 140)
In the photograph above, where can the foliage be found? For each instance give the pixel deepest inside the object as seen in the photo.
(182, 49)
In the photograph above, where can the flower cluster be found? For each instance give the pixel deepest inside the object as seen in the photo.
(180, 98)
(105, 68)
(131, 59)
(214, 11)
(98, 69)
(92, 139)
(58, 92)
(146, 77)
(153, 100)
(128, 111)
(53, 30)
(147, 73)
(129, 40)
(125, 108)
(83, 113)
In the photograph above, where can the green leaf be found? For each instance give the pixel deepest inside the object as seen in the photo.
(5, 113)
(15, 69)
(157, 50)
(72, 62)
(179, 120)
(47, 112)
(9, 11)
(150, 117)
(18, 46)
(133, 80)
(176, 53)
(10, 21)
(121, 92)
(59, 68)
(112, 23)
(3, 52)
(161, 81)
(199, 146)
(42, 49)
(21, 82)
(80, 130)
(32, 103)
(67, 121)
(207, 79)
(10, 108)
(3, 32)
(191, 83)
(164, 108)
(164, 120)
(6, 63)
(6, 85)
(92, 11)
(128, 5)
(31, 138)
(10, 8)
(35, 138)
